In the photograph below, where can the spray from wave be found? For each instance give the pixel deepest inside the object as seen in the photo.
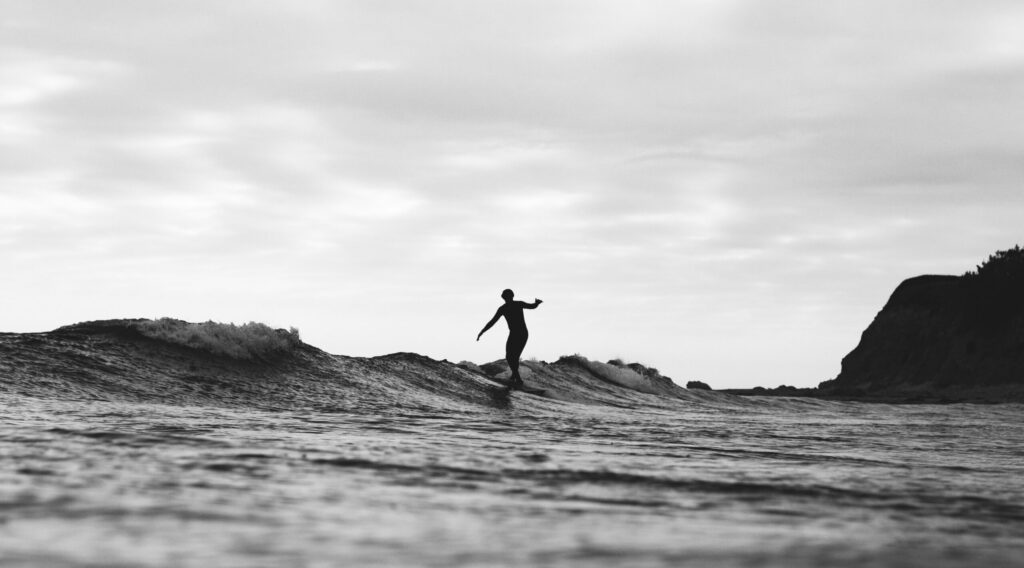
(248, 341)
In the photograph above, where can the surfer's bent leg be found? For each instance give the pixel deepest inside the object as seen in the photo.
(513, 350)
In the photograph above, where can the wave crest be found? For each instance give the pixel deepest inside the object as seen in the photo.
(248, 341)
(633, 376)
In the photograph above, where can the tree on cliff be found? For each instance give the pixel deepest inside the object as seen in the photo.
(1003, 265)
(996, 288)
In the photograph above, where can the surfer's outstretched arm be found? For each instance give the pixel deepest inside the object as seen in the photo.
(535, 303)
(494, 320)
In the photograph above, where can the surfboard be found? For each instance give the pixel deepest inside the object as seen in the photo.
(521, 388)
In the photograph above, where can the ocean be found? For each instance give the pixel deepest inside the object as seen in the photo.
(121, 448)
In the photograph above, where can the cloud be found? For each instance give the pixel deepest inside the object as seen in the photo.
(687, 167)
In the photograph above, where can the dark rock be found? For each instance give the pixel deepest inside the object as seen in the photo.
(944, 338)
(697, 385)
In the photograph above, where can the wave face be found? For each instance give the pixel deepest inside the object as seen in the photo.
(176, 362)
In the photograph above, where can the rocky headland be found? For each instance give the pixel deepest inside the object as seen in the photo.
(939, 339)
(943, 339)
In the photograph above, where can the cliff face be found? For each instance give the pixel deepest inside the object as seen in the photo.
(941, 338)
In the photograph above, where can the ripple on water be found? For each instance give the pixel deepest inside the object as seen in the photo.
(87, 484)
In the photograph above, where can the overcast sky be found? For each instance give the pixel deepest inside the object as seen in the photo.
(726, 190)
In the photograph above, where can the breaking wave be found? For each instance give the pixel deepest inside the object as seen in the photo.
(253, 365)
(248, 341)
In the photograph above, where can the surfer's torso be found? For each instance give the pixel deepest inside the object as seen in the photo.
(513, 314)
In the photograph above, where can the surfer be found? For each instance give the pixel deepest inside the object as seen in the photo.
(512, 311)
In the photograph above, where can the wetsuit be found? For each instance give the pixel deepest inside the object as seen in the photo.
(517, 335)
(512, 311)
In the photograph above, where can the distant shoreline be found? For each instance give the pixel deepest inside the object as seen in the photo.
(995, 396)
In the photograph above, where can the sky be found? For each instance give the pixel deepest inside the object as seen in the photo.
(725, 190)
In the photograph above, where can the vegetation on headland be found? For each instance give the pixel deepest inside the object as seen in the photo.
(995, 289)
(1003, 266)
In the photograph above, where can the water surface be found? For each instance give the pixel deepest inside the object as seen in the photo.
(767, 483)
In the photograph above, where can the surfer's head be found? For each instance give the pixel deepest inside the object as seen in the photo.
(507, 295)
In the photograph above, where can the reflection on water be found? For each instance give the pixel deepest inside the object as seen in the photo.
(765, 483)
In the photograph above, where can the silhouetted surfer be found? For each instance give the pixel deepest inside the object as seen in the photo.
(517, 332)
